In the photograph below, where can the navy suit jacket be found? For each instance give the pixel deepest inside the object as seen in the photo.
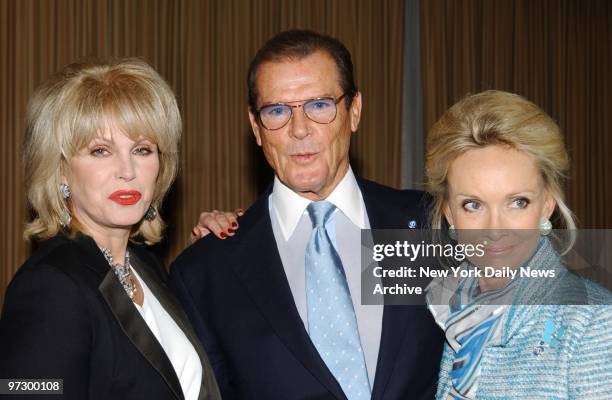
(238, 298)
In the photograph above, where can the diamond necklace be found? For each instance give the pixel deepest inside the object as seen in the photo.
(123, 272)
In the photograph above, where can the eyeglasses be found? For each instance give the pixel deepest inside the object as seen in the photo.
(321, 110)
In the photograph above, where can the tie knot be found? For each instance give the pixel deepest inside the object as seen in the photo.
(319, 212)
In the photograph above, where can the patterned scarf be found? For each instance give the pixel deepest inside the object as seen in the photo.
(473, 320)
(470, 326)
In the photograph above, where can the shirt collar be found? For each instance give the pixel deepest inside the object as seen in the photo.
(290, 206)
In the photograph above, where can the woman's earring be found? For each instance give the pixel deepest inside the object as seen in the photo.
(64, 190)
(65, 218)
(545, 226)
(150, 214)
(452, 232)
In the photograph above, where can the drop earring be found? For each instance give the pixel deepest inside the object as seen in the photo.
(545, 226)
(452, 232)
(64, 190)
(150, 214)
(65, 217)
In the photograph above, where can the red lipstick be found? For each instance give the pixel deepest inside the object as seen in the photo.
(126, 197)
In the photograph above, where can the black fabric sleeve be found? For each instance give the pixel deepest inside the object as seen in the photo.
(45, 331)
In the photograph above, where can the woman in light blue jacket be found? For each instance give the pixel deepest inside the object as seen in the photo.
(494, 166)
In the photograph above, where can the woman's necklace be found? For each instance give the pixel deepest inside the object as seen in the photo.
(123, 272)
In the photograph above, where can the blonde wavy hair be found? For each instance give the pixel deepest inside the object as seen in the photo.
(68, 110)
(496, 118)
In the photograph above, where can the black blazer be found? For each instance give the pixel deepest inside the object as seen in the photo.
(238, 298)
(67, 316)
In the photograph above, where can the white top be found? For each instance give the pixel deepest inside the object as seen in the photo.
(177, 346)
(292, 228)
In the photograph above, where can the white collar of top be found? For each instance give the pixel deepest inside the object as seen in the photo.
(290, 206)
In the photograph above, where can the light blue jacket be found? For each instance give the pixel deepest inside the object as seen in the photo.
(531, 364)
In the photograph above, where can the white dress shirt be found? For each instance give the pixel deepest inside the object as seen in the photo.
(292, 227)
(177, 346)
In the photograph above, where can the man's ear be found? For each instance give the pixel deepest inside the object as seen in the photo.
(255, 127)
(355, 112)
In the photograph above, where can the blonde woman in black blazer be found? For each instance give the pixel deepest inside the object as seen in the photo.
(91, 306)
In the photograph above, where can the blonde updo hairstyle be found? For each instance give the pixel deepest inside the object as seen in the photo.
(496, 118)
(70, 109)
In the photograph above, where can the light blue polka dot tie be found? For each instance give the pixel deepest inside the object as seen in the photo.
(331, 318)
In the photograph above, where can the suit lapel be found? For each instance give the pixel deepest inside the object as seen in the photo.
(266, 283)
(132, 324)
(208, 388)
(137, 330)
(395, 327)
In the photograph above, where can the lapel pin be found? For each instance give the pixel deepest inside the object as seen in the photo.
(550, 338)
(412, 224)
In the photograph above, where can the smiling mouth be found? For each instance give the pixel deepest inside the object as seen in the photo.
(498, 250)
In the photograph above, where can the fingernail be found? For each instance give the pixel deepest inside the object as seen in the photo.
(223, 235)
(234, 224)
(230, 230)
(240, 210)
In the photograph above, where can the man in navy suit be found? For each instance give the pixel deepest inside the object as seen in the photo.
(246, 295)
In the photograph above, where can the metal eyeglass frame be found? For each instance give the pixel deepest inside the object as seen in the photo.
(336, 101)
